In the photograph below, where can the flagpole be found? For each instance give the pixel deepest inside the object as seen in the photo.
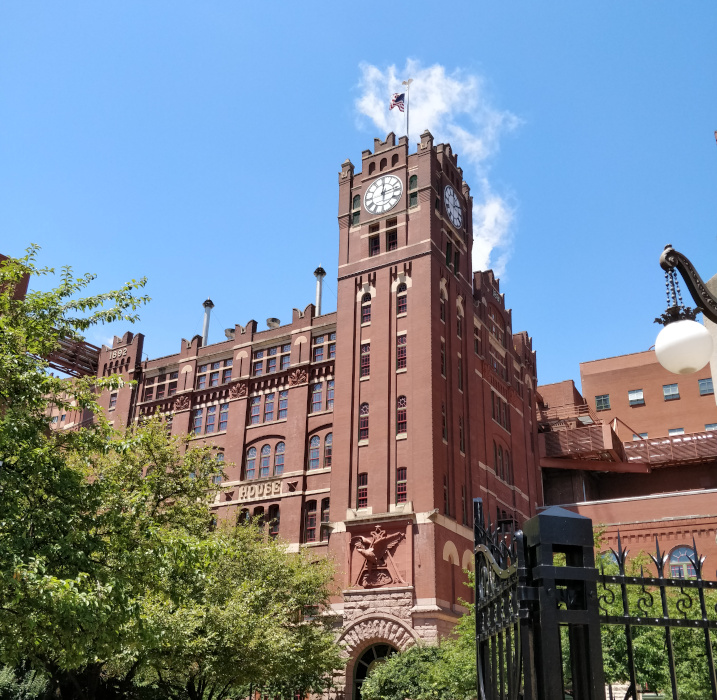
(407, 83)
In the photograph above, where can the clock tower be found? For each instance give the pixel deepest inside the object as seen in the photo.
(433, 400)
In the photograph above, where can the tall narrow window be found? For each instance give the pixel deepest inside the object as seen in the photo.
(319, 353)
(366, 308)
(456, 262)
(464, 505)
(330, 395)
(198, 419)
(443, 359)
(402, 299)
(363, 422)
(324, 536)
(413, 191)
(356, 210)
(374, 245)
(271, 365)
(279, 459)
(283, 403)
(314, 447)
(461, 435)
(459, 326)
(113, 401)
(310, 522)
(442, 308)
(227, 371)
(285, 360)
(317, 392)
(365, 368)
(446, 504)
(444, 423)
(214, 378)
(507, 467)
(501, 475)
(328, 449)
(460, 374)
(391, 235)
(211, 418)
(255, 406)
(273, 519)
(362, 493)
(401, 348)
(250, 471)
(449, 254)
(401, 415)
(265, 461)
(269, 407)
(476, 340)
(401, 485)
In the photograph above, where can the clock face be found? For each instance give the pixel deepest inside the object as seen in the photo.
(383, 194)
(453, 207)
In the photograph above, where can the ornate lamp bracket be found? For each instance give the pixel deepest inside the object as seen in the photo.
(671, 260)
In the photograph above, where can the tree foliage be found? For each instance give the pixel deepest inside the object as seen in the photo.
(113, 581)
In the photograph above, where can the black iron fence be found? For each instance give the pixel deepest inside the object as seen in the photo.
(550, 625)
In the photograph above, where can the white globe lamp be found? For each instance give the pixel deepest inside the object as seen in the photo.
(683, 347)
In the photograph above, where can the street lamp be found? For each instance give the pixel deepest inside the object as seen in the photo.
(684, 346)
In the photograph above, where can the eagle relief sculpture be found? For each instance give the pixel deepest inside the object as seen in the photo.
(378, 567)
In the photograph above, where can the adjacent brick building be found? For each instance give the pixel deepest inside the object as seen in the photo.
(366, 433)
(638, 454)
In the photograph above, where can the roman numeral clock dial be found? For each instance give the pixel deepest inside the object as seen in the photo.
(383, 194)
(453, 207)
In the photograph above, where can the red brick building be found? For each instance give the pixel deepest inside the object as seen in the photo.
(366, 433)
(638, 454)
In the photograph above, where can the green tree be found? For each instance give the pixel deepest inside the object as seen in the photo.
(110, 571)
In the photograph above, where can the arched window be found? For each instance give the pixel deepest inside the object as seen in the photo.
(324, 520)
(371, 168)
(310, 521)
(279, 459)
(402, 298)
(243, 516)
(356, 210)
(314, 445)
(681, 562)
(259, 515)
(382, 165)
(394, 159)
(366, 308)
(413, 191)
(401, 483)
(250, 472)
(273, 519)
(328, 448)
(363, 421)
(401, 417)
(265, 461)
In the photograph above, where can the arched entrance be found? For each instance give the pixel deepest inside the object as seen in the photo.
(372, 656)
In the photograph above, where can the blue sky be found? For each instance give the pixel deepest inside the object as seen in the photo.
(199, 144)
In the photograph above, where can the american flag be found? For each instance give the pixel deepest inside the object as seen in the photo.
(397, 100)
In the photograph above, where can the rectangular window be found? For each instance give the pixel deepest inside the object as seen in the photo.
(636, 397)
(286, 347)
(113, 401)
(374, 245)
(223, 416)
(444, 423)
(317, 392)
(202, 369)
(391, 240)
(476, 340)
(365, 367)
(401, 483)
(363, 425)
(255, 407)
(670, 392)
(211, 418)
(602, 402)
(198, 417)
(446, 505)
(413, 199)
(449, 254)
(160, 391)
(676, 431)
(214, 379)
(401, 348)
(710, 426)
(402, 304)
(283, 404)
(271, 365)
(325, 520)
(401, 417)
(227, 363)
(273, 351)
(443, 359)
(330, 395)
(366, 313)
(456, 261)
(460, 374)
(172, 389)
(459, 326)
(362, 495)
(202, 381)
(310, 531)
(174, 375)
(148, 394)
(258, 368)
(332, 351)
(268, 407)
(285, 360)
(461, 436)
(216, 365)
(705, 386)
(319, 340)
(227, 375)
(319, 354)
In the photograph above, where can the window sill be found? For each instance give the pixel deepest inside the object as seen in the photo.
(367, 323)
(672, 398)
(403, 315)
(362, 443)
(402, 436)
(270, 422)
(315, 544)
(602, 409)
(321, 413)
(445, 442)
(203, 436)
(320, 470)
(364, 379)
(636, 404)
(403, 370)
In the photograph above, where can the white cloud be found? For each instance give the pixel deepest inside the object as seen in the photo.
(454, 107)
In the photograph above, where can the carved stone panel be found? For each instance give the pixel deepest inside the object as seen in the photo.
(298, 376)
(182, 403)
(237, 391)
(372, 558)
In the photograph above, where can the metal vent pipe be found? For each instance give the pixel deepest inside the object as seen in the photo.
(208, 306)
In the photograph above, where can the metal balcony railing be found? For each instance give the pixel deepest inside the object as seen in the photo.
(691, 447)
